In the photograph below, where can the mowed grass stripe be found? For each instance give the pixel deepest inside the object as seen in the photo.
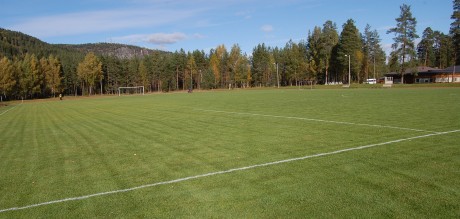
(88, 132)
(96, 129)
(15, 179)
(227, 171)
(11, 126)
(312, 120)
(195, 126)
(397, 107)
(91, 152)
(113, 143)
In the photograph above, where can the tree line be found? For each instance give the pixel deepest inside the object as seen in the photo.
(324, 57)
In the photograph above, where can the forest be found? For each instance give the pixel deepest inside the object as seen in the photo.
(30, 68)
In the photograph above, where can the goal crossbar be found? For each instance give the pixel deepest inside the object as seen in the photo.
(135, 88)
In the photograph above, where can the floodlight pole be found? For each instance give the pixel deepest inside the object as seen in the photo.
(277, 75)
(191, 77)
(453, 72)
(374, 66)
(349, 70)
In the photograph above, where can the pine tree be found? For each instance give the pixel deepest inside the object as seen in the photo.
(329, 39)
(262, 65)
(367, 42)
(113, 71)
(443, 50)
(425, 51)
(374, 56)
(455, 31)
(315, 51)
(201, 65)
(295, 63)
(191, 70)
(405, 35)
(143, 73)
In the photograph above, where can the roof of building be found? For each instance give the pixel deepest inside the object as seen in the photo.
(452, 68)
(427, 70)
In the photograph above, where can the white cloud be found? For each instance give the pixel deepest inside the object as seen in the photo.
(99, 21)
(166, 38)
(267, 28)
(157, 38)
(198, 36)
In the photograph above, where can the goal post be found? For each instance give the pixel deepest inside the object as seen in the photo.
(135, 89)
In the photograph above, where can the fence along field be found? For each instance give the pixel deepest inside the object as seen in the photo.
(175, 157)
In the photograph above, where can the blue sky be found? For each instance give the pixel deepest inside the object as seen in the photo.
(204, 24)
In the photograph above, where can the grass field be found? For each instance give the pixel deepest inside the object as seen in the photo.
(148, 156)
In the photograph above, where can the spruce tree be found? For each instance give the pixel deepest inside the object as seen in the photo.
(314, 51)
(350, 44)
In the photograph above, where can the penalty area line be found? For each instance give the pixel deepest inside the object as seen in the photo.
(224, 172)
(315, 120)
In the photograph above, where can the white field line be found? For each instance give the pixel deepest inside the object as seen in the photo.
(223, 172)
(1, 114)
(315, 120)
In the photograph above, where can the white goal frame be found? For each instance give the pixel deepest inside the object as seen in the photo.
(135, 87)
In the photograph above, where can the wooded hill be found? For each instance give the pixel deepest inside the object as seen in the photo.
(17, 44)
(18, 51)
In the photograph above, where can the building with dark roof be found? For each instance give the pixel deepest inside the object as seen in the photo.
(427, 75)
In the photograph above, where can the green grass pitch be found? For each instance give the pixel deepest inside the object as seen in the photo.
(55, 150)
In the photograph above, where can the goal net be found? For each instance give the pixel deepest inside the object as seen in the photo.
(131, 90)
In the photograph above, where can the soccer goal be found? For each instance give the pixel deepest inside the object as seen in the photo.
(131, 90)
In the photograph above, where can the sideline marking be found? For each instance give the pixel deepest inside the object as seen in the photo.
(224, 172)
(8, 110)
(315, 120)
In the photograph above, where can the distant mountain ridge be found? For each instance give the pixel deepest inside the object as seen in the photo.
(110, 49)
(14, 43)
